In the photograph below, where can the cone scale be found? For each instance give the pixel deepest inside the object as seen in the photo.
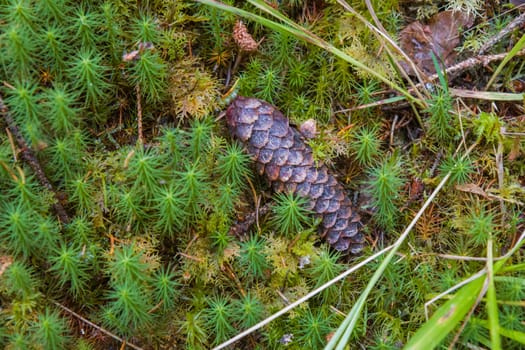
(286, 161)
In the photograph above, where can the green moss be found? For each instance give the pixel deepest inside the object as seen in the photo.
(149, 252)
(252, 257)
(18, 229)
(290, 213)
(51, 331)
(384, 185)
(441, 121)
(217, 318)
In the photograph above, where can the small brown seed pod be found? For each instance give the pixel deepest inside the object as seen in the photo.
(282, 156)
(243, 38)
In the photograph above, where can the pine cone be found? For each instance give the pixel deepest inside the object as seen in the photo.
(287, 162)
(242, 38)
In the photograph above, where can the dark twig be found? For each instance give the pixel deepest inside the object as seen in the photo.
(96, 326)
(139, 115)
(29, 156)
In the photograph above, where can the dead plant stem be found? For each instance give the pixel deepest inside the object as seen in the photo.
(139, 115)
(30, 158)
(86, 321)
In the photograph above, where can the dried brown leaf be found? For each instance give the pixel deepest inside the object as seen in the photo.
(472, 188)
(440, 36)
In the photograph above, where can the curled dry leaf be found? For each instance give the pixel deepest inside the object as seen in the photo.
(472, 188)
(440, 36)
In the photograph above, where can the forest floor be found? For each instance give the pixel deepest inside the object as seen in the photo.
(133, 214)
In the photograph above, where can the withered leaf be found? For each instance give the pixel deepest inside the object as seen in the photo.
(472, 188)
(440, 36)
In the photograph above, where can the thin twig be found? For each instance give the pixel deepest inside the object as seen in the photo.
(190, 243)
(501, 180)
(191, 257)
(29, 156)
(156, 307)
(484, 60)
(139, 115)
(455, 257)
(453, 288)
(455, 69)
(516, 22)
(12, 144)
(256, 202)
(303, 299)
(467, 317)
(283, 297)
(241, 227)
(337, 311)
(96, 326)
(233, 276)
(476, 275)
(9, 170)
(237, 62)
(392, 129)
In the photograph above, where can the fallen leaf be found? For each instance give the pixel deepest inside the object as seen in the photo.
(416, 189)
(472, 188)
(440, 36)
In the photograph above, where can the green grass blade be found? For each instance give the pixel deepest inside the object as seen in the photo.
(439, 72)
(508, 333)
(499, 265)
(452, 312)
(270, 10)
(446, 318)
(514, 268)
(492, 303)
(487, 95)
(303, 299)
(343, 333)
(345, 330)
(517, 48)
(305, 35)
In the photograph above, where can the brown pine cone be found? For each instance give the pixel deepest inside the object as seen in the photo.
(287, 162)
